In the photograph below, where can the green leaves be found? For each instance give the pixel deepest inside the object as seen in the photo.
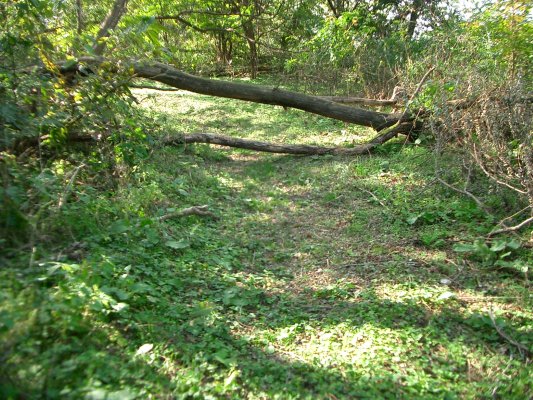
(120, 226)
(492, 254)
(239, 297)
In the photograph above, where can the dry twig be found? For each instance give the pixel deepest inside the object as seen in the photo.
(195, 210)
(68, 189)
(512, 228)
(521, 348)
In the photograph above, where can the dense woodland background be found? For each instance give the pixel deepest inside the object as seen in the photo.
(390, 262)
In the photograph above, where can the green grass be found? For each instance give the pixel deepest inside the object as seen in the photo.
(323, 277)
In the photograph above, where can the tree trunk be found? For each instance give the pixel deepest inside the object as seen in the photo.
(249, 32)
(110, 23)
(413, 18)
(337, 99)
(263, 94)
(224, 47)
(360, 100)
(299, 149)
(80, 17)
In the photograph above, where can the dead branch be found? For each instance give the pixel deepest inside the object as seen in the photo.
(512, 228)
(301, 149)
(229, 141)
(195, 210)
(464, 192)
(415, 93)
(373, 196)
(521, 348)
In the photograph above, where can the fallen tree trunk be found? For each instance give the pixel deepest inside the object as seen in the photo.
(336, 99)
(387, 125)
(266, 95)
(229, 141)
(255, 93)
(300, 149)
(360, 100)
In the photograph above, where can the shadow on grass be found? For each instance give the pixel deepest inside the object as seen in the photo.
(216, 332)
(210, 355)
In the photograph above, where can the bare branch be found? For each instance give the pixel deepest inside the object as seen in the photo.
(466, 193)
(195, 210)
(512, 228)
(301, 149)
(521, 348)
(415, 93)
(68, 189)
(373, 196)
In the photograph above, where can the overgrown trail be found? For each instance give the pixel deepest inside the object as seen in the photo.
(320, 277)
(332, 277)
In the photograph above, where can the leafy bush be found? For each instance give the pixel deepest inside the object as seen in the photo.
(495, 254)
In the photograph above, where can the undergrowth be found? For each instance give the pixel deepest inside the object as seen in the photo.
(321, 277)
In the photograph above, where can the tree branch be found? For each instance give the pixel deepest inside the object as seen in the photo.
(195, 210)
(110, 23)
(299, 149)
(521, 348)
(512, 228)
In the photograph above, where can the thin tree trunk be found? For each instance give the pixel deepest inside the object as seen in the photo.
(249, 32)
(110, 23)
(80, 17)
(299, 149)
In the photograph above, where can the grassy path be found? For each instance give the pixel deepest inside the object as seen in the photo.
(337, 295)
(323, 278)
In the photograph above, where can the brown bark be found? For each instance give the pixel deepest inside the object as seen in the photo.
(110, 23)
(262, 94)
(335, 99)
(360, 100)
(299, 149)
